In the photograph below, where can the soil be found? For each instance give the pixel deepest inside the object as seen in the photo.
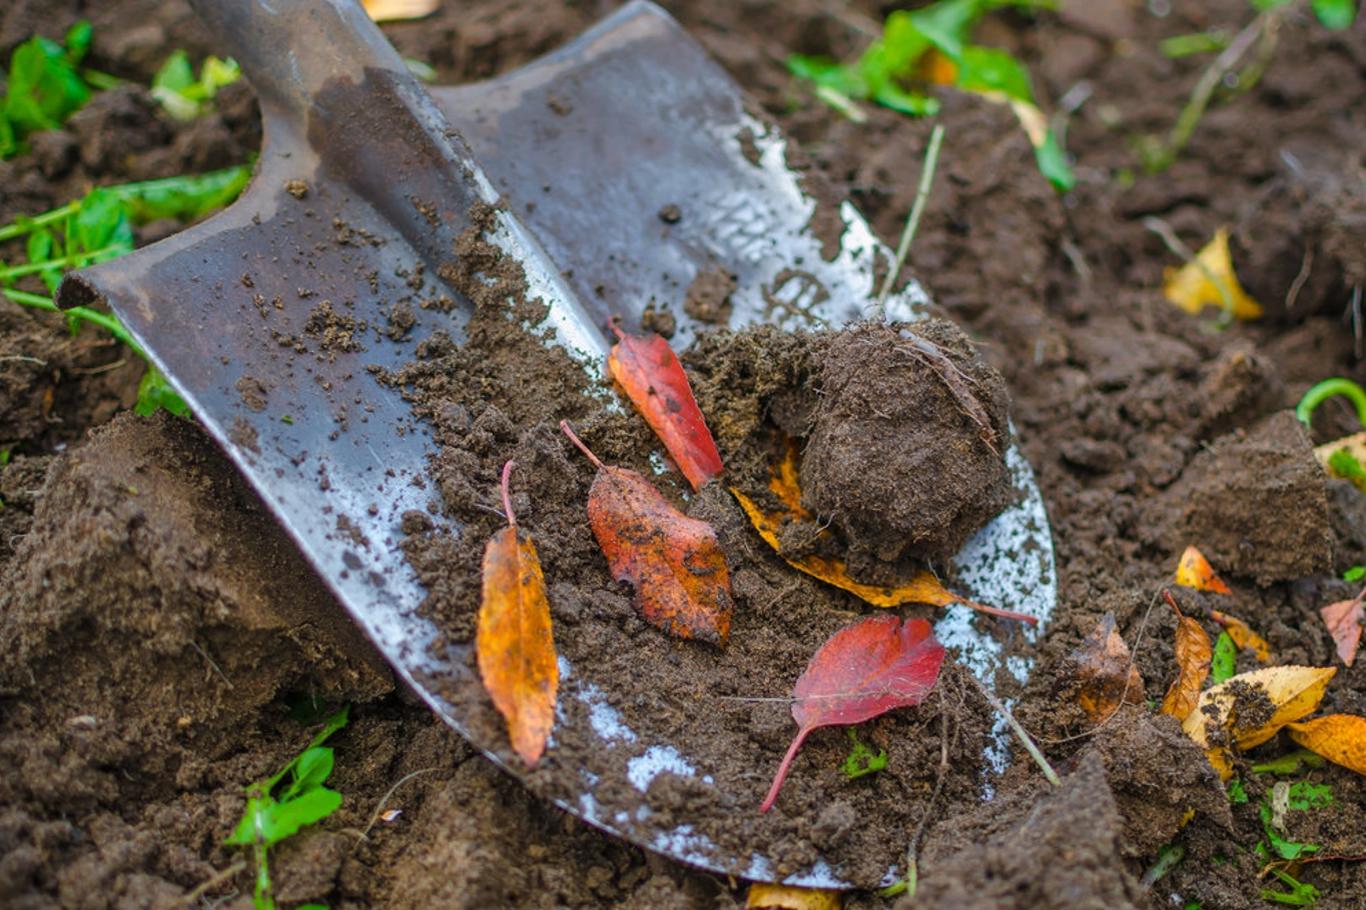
(156, 629)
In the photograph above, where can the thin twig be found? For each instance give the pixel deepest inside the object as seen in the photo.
(22, 358)
(379, 807)
(1024, 737)
(212, 882)
(1297, 285)
(210, 661)
(922, 195)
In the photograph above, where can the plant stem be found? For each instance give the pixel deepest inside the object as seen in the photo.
(922, 195)
(1327, 389)
(70, 261)
(574, 438)
(103, 320)
(27, 225)
(1049, 774)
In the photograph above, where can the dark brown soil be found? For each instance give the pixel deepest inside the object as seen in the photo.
(142, 585)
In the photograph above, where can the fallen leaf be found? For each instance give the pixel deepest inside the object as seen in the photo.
(682, 584)
(1194, 571)
(1193, 658)
(922, 588)
(1344, 620)
(513, 640)
(649, 371)
(394, 10)
(1271, 697)
(1242, 635)
(861, 672)
(1345, 458)
(765, 896)
(1205, 281)
(1340, 738)
(1106, 674)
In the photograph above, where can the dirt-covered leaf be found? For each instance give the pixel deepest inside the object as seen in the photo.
(681, 580)
(1242, 635)
(1209, 280)
(1251, 707)
(1194, 571)
(922, 588)
(648, 371)
(513, 641)
(861, 672)
(1340, 738)
(766, 896)
(1106, 675)
(1345, 458)
(1193, 658)
(1344, 620)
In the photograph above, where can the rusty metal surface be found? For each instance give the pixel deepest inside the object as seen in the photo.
(362, 180)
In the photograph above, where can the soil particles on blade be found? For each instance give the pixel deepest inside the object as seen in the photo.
(500, 396)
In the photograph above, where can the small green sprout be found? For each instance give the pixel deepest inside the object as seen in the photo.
(279, 806)
(181, 94)
(99, 226)
(1355, 573)
(1237, 792)
(1169, 856)
(45, 85)
(1326, 389)
(1301, 796)
(892, 72)
(862, 760)
(1224, 663)
(1301, 894)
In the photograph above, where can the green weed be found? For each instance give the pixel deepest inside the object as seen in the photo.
(44, 85)
(862, 760)
(931, 45)
(185, 96)
(1355, 573)
(1301, 796)
(1224, 664)
(1301, 894)
(291, 799)
(99, 226)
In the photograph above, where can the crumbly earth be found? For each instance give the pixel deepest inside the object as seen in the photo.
(1114, 395)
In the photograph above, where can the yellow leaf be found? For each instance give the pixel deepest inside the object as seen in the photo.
(1340, 738)
(1242, 635)
(763, 896)
(392, 10)
(1194, 571)
(922, 588)
(1250, 708)
(1354, 445)
(1205, 282)
(513, 641)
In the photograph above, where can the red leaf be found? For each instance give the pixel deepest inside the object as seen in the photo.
(649, 371)
(1344, 620)
(863, 671)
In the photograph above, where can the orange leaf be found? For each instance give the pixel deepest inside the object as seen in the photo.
(1344, 620)
(677, 567)
(1242, 635)
(1340, 738)
(1193, 656)
(513, 641)
(922, 588)
(936, 69)
(1105, 672)
(1194, 571)
(649, 371)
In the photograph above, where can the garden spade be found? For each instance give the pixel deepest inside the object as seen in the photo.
(623, 166)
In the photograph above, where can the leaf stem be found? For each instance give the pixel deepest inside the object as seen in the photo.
(73, 260)
(922, 195)
(507, 496)
(781, 776)
(998, 611)
(1327, 389)
(103, 320)
(573, 437)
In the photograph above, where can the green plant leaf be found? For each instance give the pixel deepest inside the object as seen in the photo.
(101, 223)
(1290, 763)
(988, 69)
(43, 86)
(1301, 894)
(268, 822)
(175, 74)
(1224, 663)
(1237, 792)
(155, 392)
(825, 72)
(862, 760)
(1052, 162)
(310, 770)
(946, 24)
(1335, 14)
(1355, 573)
(1305, 795)
(912, 103)
(184, 198)
(77, 41)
